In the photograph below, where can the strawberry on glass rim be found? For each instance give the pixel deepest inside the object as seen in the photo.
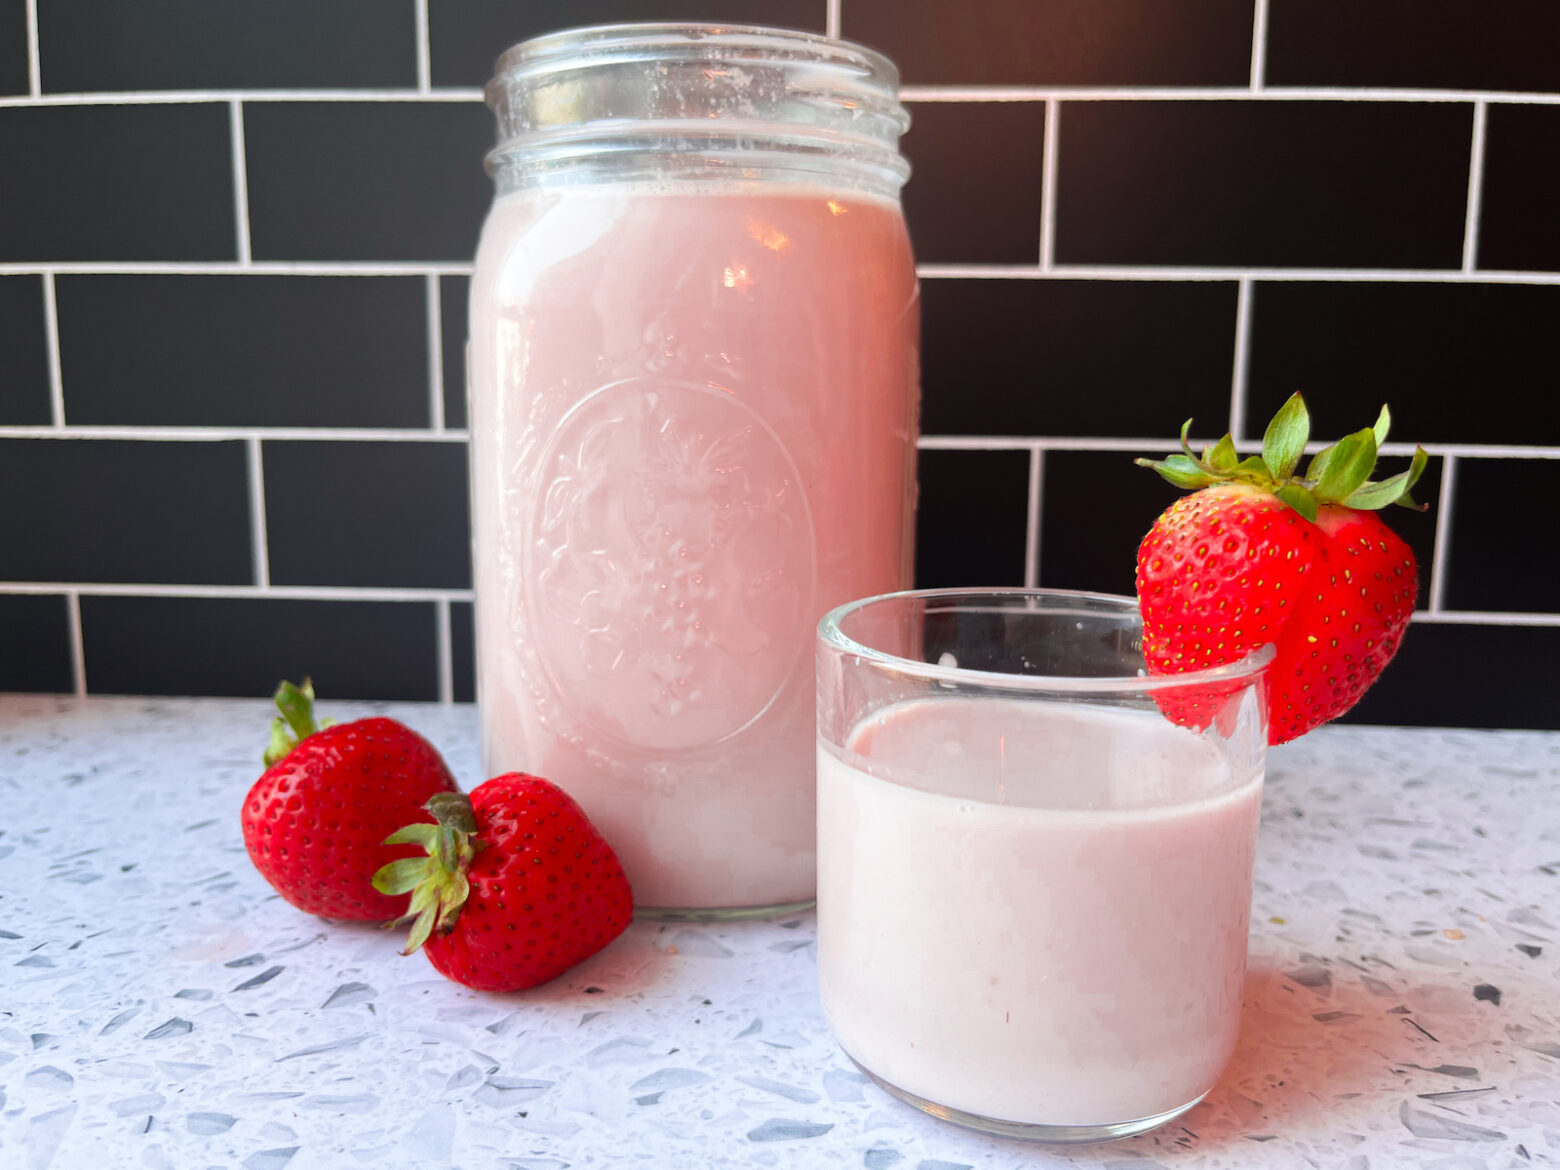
(1261, 554)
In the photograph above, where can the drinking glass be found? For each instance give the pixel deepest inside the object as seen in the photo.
(1034, 860)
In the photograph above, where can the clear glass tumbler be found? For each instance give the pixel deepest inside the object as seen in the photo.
(1034, 861)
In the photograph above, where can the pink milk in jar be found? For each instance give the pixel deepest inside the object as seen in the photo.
(694, 385)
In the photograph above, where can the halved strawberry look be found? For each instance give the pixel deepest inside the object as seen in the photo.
(1260, 554)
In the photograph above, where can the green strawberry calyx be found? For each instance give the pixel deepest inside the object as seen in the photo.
(1339, 474)
(296, 721)
(437, 882)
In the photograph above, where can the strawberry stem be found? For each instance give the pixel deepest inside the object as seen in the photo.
(437, 882)
(296, 722)
(1339, 474)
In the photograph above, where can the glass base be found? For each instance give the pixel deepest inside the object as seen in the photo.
(1031, 1131)
(721, 913)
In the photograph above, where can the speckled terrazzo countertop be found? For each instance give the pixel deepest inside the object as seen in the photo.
(160, 1007)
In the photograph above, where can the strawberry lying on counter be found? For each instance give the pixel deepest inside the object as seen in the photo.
(316, 820)
(1261, 554)
(516, 888)
(510, 887)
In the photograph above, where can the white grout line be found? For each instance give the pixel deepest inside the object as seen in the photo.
(443, 644)
(257, 531)
(177, 97)
(1259, 27)
(78, 654)
(367, 268)
(1241, 360)
(831, 19)
(223, 434)
(1040, 93)
(1153, 443)
(240, 181)
(424, 47)
(435, 357)
(911, 93)
(1469, 617)
(1032, 519)
(927, 442)
(51, 331)
(1193, 273)
(34, 60)
(234, 592)
(1048, 187)
(1443, 535)
(1470, 252)
(73, 593)
(231, 267)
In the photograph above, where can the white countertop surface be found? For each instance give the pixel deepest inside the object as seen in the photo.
(161, 1007)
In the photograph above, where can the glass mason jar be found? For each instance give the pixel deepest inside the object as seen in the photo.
(694, 389)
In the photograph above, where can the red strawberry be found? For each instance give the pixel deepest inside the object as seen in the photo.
(517, 886)
(1262, 555)
(316, 821)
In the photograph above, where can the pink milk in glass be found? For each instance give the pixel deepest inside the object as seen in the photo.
(694, 385)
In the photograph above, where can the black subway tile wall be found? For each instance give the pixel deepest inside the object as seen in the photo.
(971, 521)
(466, 36)
(14, 70)
(225, 44)
(236, 240)
(1500, 44)
(24, 361)
(1074, 357)
(116, 182)
(128, 510)
(241, 646)
(365, 513)
(1059, 42)
(35, 642)
(258, 351)
(1304, 184)
(366, 180)
(976, 195)
(1519, 229)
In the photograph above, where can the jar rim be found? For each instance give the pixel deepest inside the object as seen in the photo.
(692, 40)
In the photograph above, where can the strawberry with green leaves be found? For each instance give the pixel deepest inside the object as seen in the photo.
(316, 820)
(516, 888)
(1261, 553)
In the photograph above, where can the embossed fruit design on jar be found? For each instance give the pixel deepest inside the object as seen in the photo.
(693, 388)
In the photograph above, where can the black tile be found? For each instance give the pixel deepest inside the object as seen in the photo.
(467, 36)
(454, 292)
(971, 518)
(131, 182)
(35, 644)
(365, 513)
(1282, 183)
(124, 510)
(1095, 508)
(1503, 554)
(1447, 675)
(967, 202)
(1075, 357)
(463, 656)
(1518, 228)
(226, 44)
(244, 646)
(1463, 363)
(13, 46)
(366, 181)
(24, 360)
(1058, 42)
(286, 351)
(1443, 44)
